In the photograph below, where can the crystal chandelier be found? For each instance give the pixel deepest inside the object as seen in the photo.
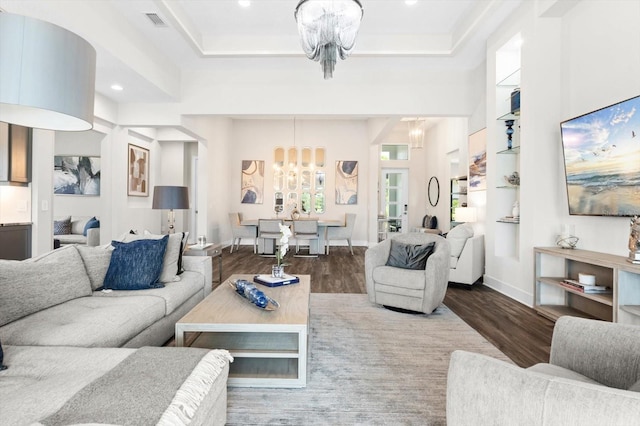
(416, 133)
(328, 29)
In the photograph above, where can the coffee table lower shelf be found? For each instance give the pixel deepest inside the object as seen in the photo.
(276, 359)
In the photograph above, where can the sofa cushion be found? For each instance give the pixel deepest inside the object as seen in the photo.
(174, 294)
(32, 285)
(86, 322)
(557, 371)
(78, 223)
(135, 265)
(91, 223)
(96, 262)
(41, 379)
(457, 238)
(396, 277)
(635, 387)
(62, 226)
(409, 256)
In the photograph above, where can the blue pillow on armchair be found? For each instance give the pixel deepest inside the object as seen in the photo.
(2, 366)
(91, 223)
(136, 265)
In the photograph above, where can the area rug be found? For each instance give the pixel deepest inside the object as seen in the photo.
(367, 366)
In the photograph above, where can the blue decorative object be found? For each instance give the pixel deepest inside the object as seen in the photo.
(136, 265)
(2, 366)
(509, 124)
(91, 223)
(251, 293)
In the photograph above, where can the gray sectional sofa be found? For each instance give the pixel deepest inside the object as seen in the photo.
(66, 342)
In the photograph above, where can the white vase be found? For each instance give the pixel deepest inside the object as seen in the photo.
(515, 212)
(277, 271)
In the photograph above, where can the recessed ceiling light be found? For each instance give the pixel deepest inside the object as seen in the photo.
(244, 3)
(410, 2)
(117, 87)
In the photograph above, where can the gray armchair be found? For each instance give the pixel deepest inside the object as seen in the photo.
(415, 290)
(592, 378)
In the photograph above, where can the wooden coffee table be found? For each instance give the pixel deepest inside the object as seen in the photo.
(269, 347)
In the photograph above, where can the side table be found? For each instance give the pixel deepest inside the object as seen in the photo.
(213, 250)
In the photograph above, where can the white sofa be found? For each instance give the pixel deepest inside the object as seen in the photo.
(592, 378)
(77, 230)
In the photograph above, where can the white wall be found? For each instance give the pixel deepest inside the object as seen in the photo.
(342, 140)
(572, 64)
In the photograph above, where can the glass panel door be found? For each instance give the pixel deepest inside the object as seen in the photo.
(394, 199)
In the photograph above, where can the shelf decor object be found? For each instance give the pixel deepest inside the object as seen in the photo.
(328, 30)
(48, 75)
(509, 131)
(634, 241)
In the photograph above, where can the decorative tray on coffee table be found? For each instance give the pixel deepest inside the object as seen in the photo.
(271, 305)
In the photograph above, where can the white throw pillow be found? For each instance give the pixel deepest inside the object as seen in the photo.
(457, 238)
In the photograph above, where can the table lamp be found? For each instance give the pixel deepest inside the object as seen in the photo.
(171, 198)
(466, 214)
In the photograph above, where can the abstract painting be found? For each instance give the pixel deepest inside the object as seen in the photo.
(76, 175)
(138, 175)
(346, 182)
(252, 184)
(478, 161)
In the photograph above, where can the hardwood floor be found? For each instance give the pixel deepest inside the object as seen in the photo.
(515, 329)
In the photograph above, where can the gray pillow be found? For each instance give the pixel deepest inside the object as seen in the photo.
(62, 227)
(32, 285)
(635, 387)
(409, 256)
(96, 262)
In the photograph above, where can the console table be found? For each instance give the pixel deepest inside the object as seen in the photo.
(552, 299)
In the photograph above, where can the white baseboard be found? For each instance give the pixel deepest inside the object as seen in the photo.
(508, 290)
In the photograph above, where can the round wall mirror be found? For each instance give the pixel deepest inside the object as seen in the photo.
(433, 191)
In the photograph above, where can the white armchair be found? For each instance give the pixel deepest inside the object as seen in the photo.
(469, 266)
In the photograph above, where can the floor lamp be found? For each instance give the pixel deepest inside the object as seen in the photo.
(171, 198)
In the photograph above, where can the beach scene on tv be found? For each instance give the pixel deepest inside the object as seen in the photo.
(602, 160)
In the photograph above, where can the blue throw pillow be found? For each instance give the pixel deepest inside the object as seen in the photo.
(409, 256)
(136, 265)
(2, 366)
(91, 223)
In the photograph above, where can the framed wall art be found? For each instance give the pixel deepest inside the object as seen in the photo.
(138, 172)
(252, 182)
(76, 175)
(346, 182)
(478, 161)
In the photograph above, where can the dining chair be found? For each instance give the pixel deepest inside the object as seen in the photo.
(269, 229)
(239, 231)
(341, 232)
(306, 230)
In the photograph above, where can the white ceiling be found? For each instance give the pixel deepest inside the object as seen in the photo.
(201, 34)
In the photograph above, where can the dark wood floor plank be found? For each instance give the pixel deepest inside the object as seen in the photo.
(517, 330)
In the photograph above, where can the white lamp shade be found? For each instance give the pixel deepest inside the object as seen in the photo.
(47, 74)
(466, 214)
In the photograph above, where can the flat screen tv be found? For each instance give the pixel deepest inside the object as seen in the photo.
(602, 160)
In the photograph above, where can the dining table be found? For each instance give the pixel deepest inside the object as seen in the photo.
(267, 246)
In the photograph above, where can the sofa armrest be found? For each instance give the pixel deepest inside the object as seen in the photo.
(201, 265)
(93, 237)
(375, 256)
(482, 390)
(608, 353)
(470, 265)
